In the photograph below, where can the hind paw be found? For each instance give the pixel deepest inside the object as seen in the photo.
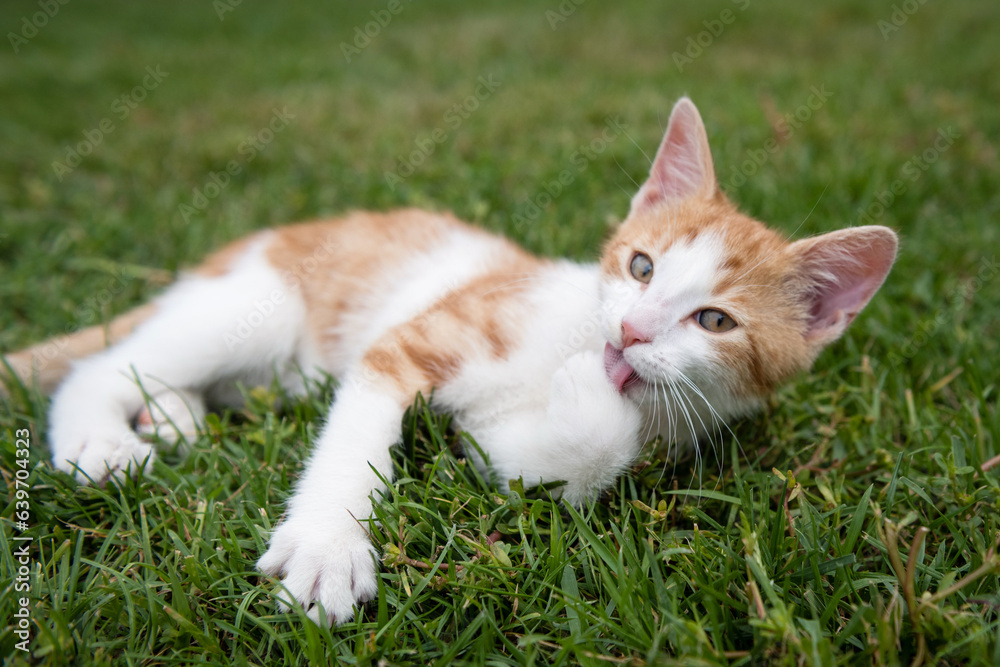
(172, 416)
(97, 458)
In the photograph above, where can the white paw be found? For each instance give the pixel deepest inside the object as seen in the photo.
(98, 454)
(596, 430)
(333, 566)
(581, 380)
(172, 416)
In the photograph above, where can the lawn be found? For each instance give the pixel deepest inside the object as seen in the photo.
(855, 521)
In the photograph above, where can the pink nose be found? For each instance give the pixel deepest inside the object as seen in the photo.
(631, 335)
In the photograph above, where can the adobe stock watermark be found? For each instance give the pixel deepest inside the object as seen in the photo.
(698, 43)
(928, 328)
(365, 34)
(31, 25)
(21, 553)
(562, 12)
(901, 13)
(910, 172)
(786, 126)
(580, 159)
(424, 146)
(122, 107)
(223, 7)
(248, 150)
(261, 311)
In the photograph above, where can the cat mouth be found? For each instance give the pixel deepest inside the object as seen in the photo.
(621, 374)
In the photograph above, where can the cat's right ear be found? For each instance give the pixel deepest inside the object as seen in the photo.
(683, 164)
(838, 273)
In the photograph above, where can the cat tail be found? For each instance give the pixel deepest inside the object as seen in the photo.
(45, 364)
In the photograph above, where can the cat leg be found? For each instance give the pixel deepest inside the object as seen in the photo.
(588, 435)
(321, 549)
(191, 342)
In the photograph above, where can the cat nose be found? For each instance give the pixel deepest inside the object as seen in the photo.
(632, 336)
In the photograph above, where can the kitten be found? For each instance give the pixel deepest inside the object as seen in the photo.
(560, 371)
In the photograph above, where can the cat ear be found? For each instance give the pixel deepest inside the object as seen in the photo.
(839, 273)
(683, 165)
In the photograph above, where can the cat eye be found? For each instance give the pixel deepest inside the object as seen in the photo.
(641, 267)
(715, 321)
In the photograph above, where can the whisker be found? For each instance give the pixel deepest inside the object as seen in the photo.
(656, 404)
(701, 395)
(672, 427)
(683, 410)
(694, 438)
(637, 186)
(642, 400)
(636, 144)
(718, 418)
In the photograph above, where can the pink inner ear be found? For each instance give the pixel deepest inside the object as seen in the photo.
(678, 169)
(845, 268)
(847, 293)
(683, 164)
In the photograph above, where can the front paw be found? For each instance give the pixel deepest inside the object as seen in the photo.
(596, 430)
(584, 400)
(582, 378)
(333, 567)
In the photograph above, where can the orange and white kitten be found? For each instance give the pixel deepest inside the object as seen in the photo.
(560, 371)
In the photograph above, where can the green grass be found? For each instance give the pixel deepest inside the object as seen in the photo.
(888, 440)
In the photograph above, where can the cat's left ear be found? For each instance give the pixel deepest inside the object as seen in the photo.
(838, 274)
(683, 164)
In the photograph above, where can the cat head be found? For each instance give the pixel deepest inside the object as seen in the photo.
(701, 298)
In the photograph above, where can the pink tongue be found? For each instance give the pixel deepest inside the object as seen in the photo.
(616, 367)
